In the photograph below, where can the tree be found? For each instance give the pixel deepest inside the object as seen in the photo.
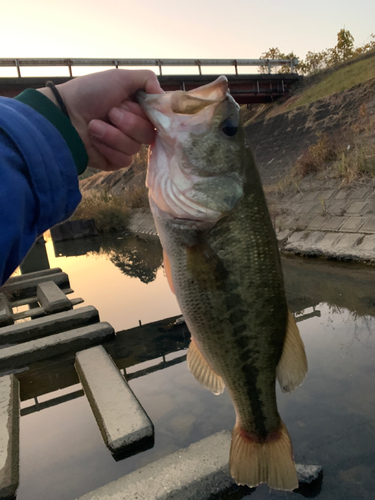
(345, 44)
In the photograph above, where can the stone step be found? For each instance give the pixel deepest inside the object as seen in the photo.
(37, 312)
(199, 472)
(75, 340)
(122, 421)
(9, 436)
(6, 313)
(48, 325)
(51, 298)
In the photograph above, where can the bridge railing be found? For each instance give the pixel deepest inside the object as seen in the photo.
(268, 64)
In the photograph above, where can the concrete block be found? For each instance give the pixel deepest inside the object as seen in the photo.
(199, 472)
(356, 208)
(347, 242)
(27, 287)
(6, 313)
(370, 208)
(72, 341)
(122, 421)
(359, 194)
(337, 208)
(317, 223)
(326, 194)
(196, 473)
(368, 244)
(309, 207)
(302, 222)
(353, 224)
(36, 274)
(9, 436)
(368, 226)
(48, 325)
(311, 196)
(52, 298)
(334, 223)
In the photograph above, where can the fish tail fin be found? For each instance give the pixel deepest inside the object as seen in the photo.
(271, 462)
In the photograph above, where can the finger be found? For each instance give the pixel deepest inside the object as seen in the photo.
(139, 129)
(133, 107)
(113, 137)
(139, 79)
(115, 159)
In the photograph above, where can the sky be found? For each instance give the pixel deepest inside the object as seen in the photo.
(159, 29)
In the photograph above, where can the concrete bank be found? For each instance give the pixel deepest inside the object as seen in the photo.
(318, 220)
(325, 220)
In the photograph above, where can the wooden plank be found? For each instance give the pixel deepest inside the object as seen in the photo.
(48, 325)
(122, 420)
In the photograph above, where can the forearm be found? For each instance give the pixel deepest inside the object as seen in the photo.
(38, 180)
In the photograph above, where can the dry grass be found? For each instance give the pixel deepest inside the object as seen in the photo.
(109, 212)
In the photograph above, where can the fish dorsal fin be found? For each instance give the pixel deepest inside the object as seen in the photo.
(168, 273)
(202, 371)
(292, 367)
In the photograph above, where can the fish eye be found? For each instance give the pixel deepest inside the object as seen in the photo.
(229, 127)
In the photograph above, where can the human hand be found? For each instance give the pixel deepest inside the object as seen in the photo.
(111, 125)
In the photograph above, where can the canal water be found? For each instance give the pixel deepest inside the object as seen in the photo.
(331, 417)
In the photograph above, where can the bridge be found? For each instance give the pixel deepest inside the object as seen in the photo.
(246, 88)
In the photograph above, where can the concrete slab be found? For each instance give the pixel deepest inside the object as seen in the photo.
(302, 222)
(334, 223)
(6, 313)
(312, 195)
(370, 208)
(123, 423)
(369, 225)
(326, 194)
(9, 436)
(359, 194)
(368, 243)
(72, 341)
(27, 287)
(337, 208)
(317, 222)
(48, 325)
(309, 207)
(199, 472)
(195, 473)
(356, 208)
(348, 242)
(35, 274)
(342, 194)
(51, 298)
(353, 224)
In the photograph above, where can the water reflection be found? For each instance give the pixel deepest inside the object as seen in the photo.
(331, 417)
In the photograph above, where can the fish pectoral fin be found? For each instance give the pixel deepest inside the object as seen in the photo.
(202, 371)
(252, 462)
(168, 273)
(292, 367)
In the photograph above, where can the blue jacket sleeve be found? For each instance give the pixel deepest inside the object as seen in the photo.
(38, 181)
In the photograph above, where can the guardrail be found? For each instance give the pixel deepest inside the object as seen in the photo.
(69, 63)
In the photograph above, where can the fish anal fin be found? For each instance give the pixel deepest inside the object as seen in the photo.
(202, 371)
(168, 273)
(292, 367)
(253, 462)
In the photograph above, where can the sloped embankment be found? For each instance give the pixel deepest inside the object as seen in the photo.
(278, 141)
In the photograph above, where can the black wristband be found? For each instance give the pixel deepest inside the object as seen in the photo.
(58, 97)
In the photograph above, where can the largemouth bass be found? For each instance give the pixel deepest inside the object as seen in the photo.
(222, 262)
